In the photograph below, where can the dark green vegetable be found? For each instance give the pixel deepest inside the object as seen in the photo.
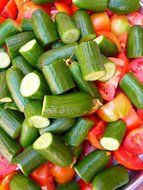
(57, 45)
(28, 160)
(133, 88)
(8, 147)
(11, 106)
(53, 149)
(58, 77)
(44, 28)
(41, 1)
(77, 134)
(111, 178)
(72, 185)
(92, 164)
(26, 24)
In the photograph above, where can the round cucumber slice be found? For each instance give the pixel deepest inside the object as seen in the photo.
(4, 60)
(43, 141)
(95, 76)
(27, 46)
(39, 121)
(109, 143)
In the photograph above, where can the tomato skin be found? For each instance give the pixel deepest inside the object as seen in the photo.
(135, 18)
(128, 159)
(136, 67)
(62, 174)
(118, 108)
(100, 22)
(84, 186)
(62, 7)
(5, 182)
(43, 176)
(2, 4)
(20, 3)
(74, 8)
(123, 41)
(140, 114)
(2, 19)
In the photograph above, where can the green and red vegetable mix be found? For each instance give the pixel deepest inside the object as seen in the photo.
(71, 94)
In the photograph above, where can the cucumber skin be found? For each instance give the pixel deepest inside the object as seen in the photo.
(20, 182)
(14, 43)
(72, 185)
(8, 28)
(41, 1)
(84, 23)
(133, 88)
(8, 147)
(28, 160)
(123, 7)
(135, 42)
(57, 45)
(110, 178)
(26, 24)
(94, 5)
(13, 78)
(59, 126)
(77, 134)
(92, 164)
(52, 55)
(20, 63)
(11, 106)
(70, 105)
(28, 135)
(58, 77)
(44, 28)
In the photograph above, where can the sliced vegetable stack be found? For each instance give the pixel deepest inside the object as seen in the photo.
(71, 94)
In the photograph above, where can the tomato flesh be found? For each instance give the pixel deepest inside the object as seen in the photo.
(135, 18)
(5, 182)
(84, 186)
(137, 67)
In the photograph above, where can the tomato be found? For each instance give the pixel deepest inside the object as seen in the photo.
(135, 18)
(67, 2)
(43, 176)
(118, 108)
(74, 8)
(110, 13)
(128, 159)
(123, 40)
(2, 19)
(132, 120)
(5, 182)
(6, 167)
(20, 3)
(111, 37)
(140, 114)
(62, 7)
(87, 148)
(136, 67)
(62, 174)
(96, 133)
(84, 186)
(100, 22)
(2, 4)
(119, 25)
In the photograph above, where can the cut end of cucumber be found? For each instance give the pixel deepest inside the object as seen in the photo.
(99, 39)
(29, 85)
(6, 99)
(109, 143)
(40, 122)
(71, 36)
(95, 76)
(43, 142)
(4, 60)
(27, 46)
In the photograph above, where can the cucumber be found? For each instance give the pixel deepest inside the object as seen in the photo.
(13, 78)
(92, 164)
(72, 185)
(8, 28)
(52, 55)
(135, 42)
(69, 33)
(31, 52)
(77, 134)
(4, 60)
(28, 160)
(67, 105)
(20, 63)
(58, 77)
(57, 45)
(84, 23)
(85, 86)
(90, 37)
(123, 7)
(110, 68)
(94, 5)
(53, 149)
(90, 61)
(59, 126)
(111, 178)
(106, 46)
(33, 112)
(21, 182)
(14, 43)
(26, 24)
(8, 147)
(113, 135)
(11, 106)
(34, 85)
(41, 1)
(133, 88)
(28, 134)
(44, 28)
(77, 151)
(4, 91)
(11, 122)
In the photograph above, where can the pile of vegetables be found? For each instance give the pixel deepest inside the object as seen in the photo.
(71, 94)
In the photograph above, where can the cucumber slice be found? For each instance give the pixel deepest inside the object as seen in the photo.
(4, 60)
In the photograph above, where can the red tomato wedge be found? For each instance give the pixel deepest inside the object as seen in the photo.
(5, 182)
(43, 176)
(20, 3)
(2, 4)
(134, 141)
(137, 67)
(132, 120)
(2, 19)
(74, 8)
(62, 7)
(123, 41)
(128, 159)
(140, 114)
(84, 186)
(135, 18)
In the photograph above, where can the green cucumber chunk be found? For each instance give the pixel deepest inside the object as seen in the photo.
(72, 185)
(26, 24)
